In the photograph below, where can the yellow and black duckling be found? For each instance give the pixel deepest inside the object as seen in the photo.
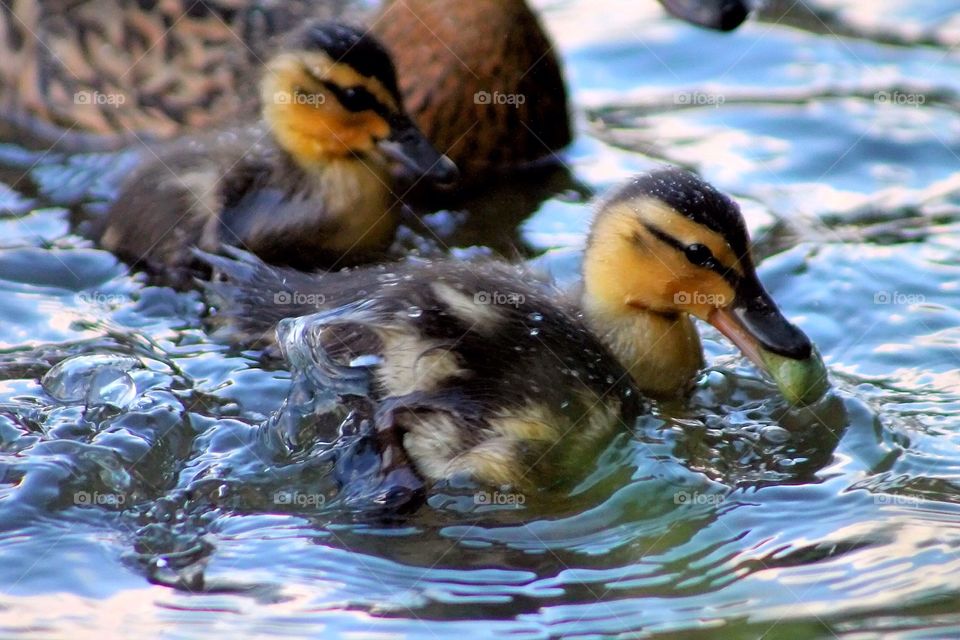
(479, 370)
(310, 185)
(101, 74)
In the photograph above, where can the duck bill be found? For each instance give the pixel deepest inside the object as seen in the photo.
(420, 161)
(720, 15)
(757, 327)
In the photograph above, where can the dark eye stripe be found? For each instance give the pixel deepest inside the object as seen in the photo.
(357, 99)
(727, 273)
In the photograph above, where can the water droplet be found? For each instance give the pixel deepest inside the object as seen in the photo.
(95, 379)
(368, 360)
(414, 312)
(535, 317)
(111, 387)
(534, 332)
(775, 434)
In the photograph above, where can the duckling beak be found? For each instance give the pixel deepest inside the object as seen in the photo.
(757, 327)
(410, 148)
(721, 15)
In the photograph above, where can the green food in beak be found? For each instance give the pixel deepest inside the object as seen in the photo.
(758, 328)
(802, 382)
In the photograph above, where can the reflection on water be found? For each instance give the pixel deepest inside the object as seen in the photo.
(139, 489)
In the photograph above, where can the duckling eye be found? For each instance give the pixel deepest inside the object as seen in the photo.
(357, 99)
(698, 254)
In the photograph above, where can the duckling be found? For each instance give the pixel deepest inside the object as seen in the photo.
(103, 74)
(479, 370)
(308, 185)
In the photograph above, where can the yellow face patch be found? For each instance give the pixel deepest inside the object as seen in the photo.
(629, 266)
(306, 116)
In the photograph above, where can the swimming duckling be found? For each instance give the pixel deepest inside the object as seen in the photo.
(479, 370)
(93, 75)
(309, 185)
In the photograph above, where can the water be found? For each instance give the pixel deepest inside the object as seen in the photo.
(139, 497)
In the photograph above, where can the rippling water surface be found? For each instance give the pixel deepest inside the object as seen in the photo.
(138, 496)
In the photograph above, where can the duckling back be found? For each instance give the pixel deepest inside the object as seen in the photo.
(480, 369)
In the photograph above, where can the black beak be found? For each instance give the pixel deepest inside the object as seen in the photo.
(721, 15)
(759, 329)
(408, 146)
(759, 315)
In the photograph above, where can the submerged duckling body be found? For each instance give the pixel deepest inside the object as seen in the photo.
(480, 370)
(308, 185)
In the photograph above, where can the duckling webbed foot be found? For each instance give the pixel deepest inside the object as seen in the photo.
(401, 482)
(391, 424)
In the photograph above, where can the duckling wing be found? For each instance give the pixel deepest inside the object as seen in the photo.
(252, 297)
(284, 226)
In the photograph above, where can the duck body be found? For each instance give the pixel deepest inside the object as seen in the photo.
(310, 183)
(484, 83)
(478, 369)
(481, 368)
(121, 71)
(240, 188)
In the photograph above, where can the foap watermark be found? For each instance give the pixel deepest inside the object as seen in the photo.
(512, 99)
(897, 298)
(499, 498)
(499, 298)
(697, 297)
(298, 297)
(899, 98)
(697, 498)
(896, 499)
(297, 499)
(297, 96)
(95, 498)
(100, 298)
(98, 98)
(698, 99)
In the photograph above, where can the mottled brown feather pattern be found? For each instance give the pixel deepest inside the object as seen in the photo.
(173, 65)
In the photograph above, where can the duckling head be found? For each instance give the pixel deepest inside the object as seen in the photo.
(332, 94)
(668, 247)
